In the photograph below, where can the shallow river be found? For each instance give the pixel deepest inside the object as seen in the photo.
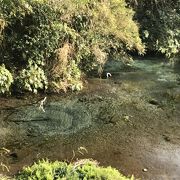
(130, 121)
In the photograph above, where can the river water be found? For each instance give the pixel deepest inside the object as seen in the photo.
(130, 121)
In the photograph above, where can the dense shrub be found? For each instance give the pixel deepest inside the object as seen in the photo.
(32, 78)
(160, 22)
(84, 169)
(31, 32)
(6, 79)
(86, 32)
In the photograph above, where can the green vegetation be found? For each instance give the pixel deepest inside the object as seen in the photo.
(5, 178)
(32, 78)
(160, 22)
(50, 44)
(6, 79)
(83, 169)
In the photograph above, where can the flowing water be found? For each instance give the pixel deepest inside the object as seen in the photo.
(130, 121)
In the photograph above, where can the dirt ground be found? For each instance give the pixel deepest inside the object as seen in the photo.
(133, 125)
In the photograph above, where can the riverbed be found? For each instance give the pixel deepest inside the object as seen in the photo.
(130, 121)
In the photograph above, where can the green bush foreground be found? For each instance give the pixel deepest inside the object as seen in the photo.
(84, 169)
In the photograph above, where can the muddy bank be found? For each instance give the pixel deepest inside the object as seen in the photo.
(130, 122)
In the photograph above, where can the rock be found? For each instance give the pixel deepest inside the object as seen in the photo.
(144, 170)
(154, 102)
(114, 119)
(99, 98)
(126, 118)
(166, 138)
(13, 155)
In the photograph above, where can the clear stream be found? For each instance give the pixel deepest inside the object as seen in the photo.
(130, 121)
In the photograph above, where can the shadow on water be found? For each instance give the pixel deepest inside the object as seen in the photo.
(129, 121)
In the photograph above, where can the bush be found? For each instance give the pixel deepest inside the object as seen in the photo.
(65, 73)
(160, 22)
(32, 78)
(6, 79)
(83, 169)
(5, 178)
(34, 30)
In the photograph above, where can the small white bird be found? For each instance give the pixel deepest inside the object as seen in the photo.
(41, 106)
(108, 75)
